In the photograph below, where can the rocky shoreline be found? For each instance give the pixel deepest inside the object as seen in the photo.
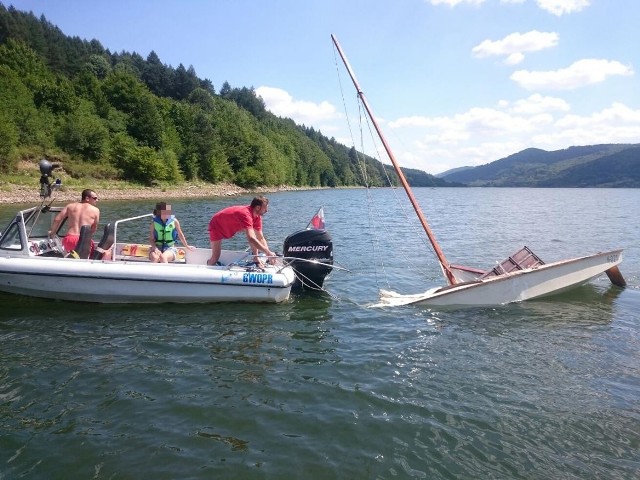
(10, 194)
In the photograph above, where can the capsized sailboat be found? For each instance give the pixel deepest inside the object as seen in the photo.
(522, 276)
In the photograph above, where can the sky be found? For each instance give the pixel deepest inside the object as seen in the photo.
(451, 82)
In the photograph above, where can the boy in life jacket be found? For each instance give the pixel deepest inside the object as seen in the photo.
(165, 231)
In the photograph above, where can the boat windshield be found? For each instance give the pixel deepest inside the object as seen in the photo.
(11, 238)
(37, 223)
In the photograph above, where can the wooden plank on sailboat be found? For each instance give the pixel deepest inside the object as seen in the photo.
(520, 260)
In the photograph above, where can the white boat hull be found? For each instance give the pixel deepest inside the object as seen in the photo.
(544, 280)
(141, 282)
(33, 264)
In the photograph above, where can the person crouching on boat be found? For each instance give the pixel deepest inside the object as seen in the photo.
(231, 220)
(165, 231)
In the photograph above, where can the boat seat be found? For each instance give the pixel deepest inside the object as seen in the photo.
(83, 247)
(106, 242)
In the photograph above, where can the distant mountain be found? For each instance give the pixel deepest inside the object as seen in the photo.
(418, 178)
(609, 165)
(449, 172)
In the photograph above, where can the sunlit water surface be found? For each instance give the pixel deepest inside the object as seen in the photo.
(324, 387)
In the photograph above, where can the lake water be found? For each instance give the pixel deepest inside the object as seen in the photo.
(324, 387)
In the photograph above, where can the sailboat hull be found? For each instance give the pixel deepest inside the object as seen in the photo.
(541, 281)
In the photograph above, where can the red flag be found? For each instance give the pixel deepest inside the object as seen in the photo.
(317, 222)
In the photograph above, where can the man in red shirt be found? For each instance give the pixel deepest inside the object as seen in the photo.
(231, 220)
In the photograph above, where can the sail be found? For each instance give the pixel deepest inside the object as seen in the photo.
(317, 221)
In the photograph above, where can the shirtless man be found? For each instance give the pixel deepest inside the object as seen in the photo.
(77, 214)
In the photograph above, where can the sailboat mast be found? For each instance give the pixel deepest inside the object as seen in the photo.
(443, 261)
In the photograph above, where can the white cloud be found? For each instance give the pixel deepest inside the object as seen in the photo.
(536, 104)
(514, 46)
(413, 121)
(617, 114)
(580, 73)
(479, 121)
(615, 124)
(555, 7)
(475, 136)
(281, 103)
(483, 135)
(560, 7)
(514, 58)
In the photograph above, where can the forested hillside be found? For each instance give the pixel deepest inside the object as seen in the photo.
(120, 116)
(607, 165)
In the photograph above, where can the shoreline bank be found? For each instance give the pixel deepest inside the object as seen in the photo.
(16, 194)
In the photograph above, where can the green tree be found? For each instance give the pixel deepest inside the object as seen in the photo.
(8, 143)
(58, 96)
(84, 135)
(185, 81)
(156, 76)
(138, 163)
(99, 66)
(24, 61)
(249, 177)
(129, 95)
(202, 98)
(245, 98)
(87, 86)
(172, 171)
(145, 123)
(60, 93)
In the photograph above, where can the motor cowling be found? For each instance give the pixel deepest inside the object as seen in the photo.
(310, 253)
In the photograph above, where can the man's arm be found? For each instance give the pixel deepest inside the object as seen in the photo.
(57, 221)
(96, 221)
(258, 242)
(260, 237)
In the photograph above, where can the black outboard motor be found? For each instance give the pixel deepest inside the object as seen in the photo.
(314, 248)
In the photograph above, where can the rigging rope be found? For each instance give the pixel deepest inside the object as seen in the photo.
(375, 214)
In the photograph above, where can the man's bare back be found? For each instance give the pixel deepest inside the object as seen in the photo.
(79, 214)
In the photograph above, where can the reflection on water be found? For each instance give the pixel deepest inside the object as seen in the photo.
(588, 304)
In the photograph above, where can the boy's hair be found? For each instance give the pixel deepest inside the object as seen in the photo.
(159, 207)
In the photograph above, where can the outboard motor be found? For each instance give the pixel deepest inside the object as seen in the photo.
(314, 249)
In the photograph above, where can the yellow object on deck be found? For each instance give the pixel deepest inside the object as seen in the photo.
(142, 250)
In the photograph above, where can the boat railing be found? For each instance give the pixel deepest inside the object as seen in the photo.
(115, 230)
